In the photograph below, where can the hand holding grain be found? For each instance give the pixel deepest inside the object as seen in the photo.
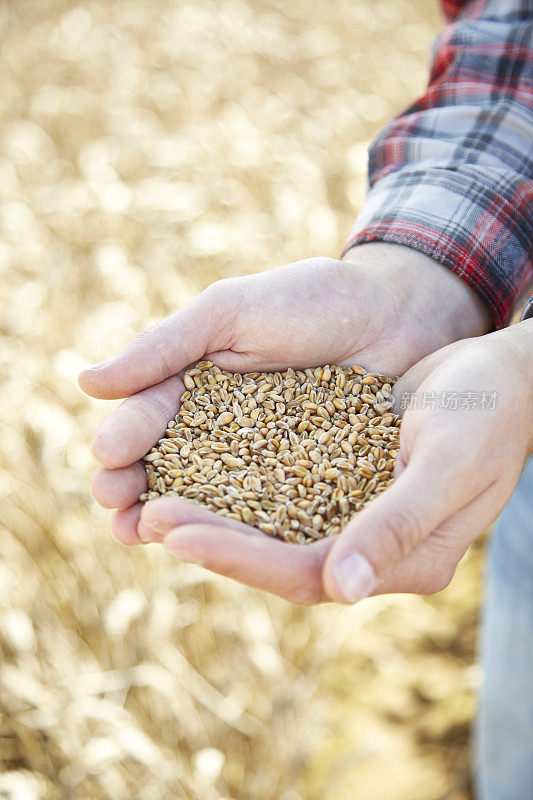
(374, 310)
(456, 470)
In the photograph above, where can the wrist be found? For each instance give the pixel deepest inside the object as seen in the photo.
(432, 305)
(519, 338)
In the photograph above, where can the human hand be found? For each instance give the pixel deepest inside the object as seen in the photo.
(456, 470)
(382, 309)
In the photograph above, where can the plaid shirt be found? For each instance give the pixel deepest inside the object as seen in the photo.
(527, 312)
(452, 175)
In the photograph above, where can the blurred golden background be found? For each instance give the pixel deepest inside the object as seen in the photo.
(147, 149)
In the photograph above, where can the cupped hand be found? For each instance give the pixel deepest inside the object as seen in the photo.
(464, 442)
(465, 436)
(381, 308)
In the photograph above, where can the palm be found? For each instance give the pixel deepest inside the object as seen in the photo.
(299, 315)
(419, 543)
(304, 314)
(450, 454)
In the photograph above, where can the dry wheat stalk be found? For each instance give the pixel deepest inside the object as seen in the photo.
(294, 454)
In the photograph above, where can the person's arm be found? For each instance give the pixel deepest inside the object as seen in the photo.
(452, 176)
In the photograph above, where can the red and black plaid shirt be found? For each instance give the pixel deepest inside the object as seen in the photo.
(453, 175)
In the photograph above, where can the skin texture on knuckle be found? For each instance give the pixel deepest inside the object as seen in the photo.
(149, 407)
(403, 531)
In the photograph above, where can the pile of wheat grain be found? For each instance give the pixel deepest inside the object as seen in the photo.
(294, 454)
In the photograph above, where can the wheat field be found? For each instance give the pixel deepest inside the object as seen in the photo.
(147, 149)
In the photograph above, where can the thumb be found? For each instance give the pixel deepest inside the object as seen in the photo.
(164, 349)
(390, 527)
(411, 380)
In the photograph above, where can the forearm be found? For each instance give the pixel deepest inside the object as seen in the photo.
(452, 176)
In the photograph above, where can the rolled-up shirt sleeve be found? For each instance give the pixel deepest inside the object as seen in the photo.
(527, 311)
(452, 176)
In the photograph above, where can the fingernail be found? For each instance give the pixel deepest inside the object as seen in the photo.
(355, 577)
(100, 364)
(154, 525)
(181, 552)
(150, 530)
(145, 533)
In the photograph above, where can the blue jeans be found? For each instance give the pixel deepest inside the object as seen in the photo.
(504, 732)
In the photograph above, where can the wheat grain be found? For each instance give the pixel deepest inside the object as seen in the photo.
(295, 454)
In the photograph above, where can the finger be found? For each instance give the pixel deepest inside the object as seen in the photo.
(124, 525)
(426, 570)
(146, 535)
(130, 431)
(427, 492)
(430, 567)
(161, 351)
(290, 571)
(410, 381)
(160, 516)
(119, 488)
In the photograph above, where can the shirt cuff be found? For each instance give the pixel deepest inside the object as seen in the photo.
(477, 224)
(527, 311)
